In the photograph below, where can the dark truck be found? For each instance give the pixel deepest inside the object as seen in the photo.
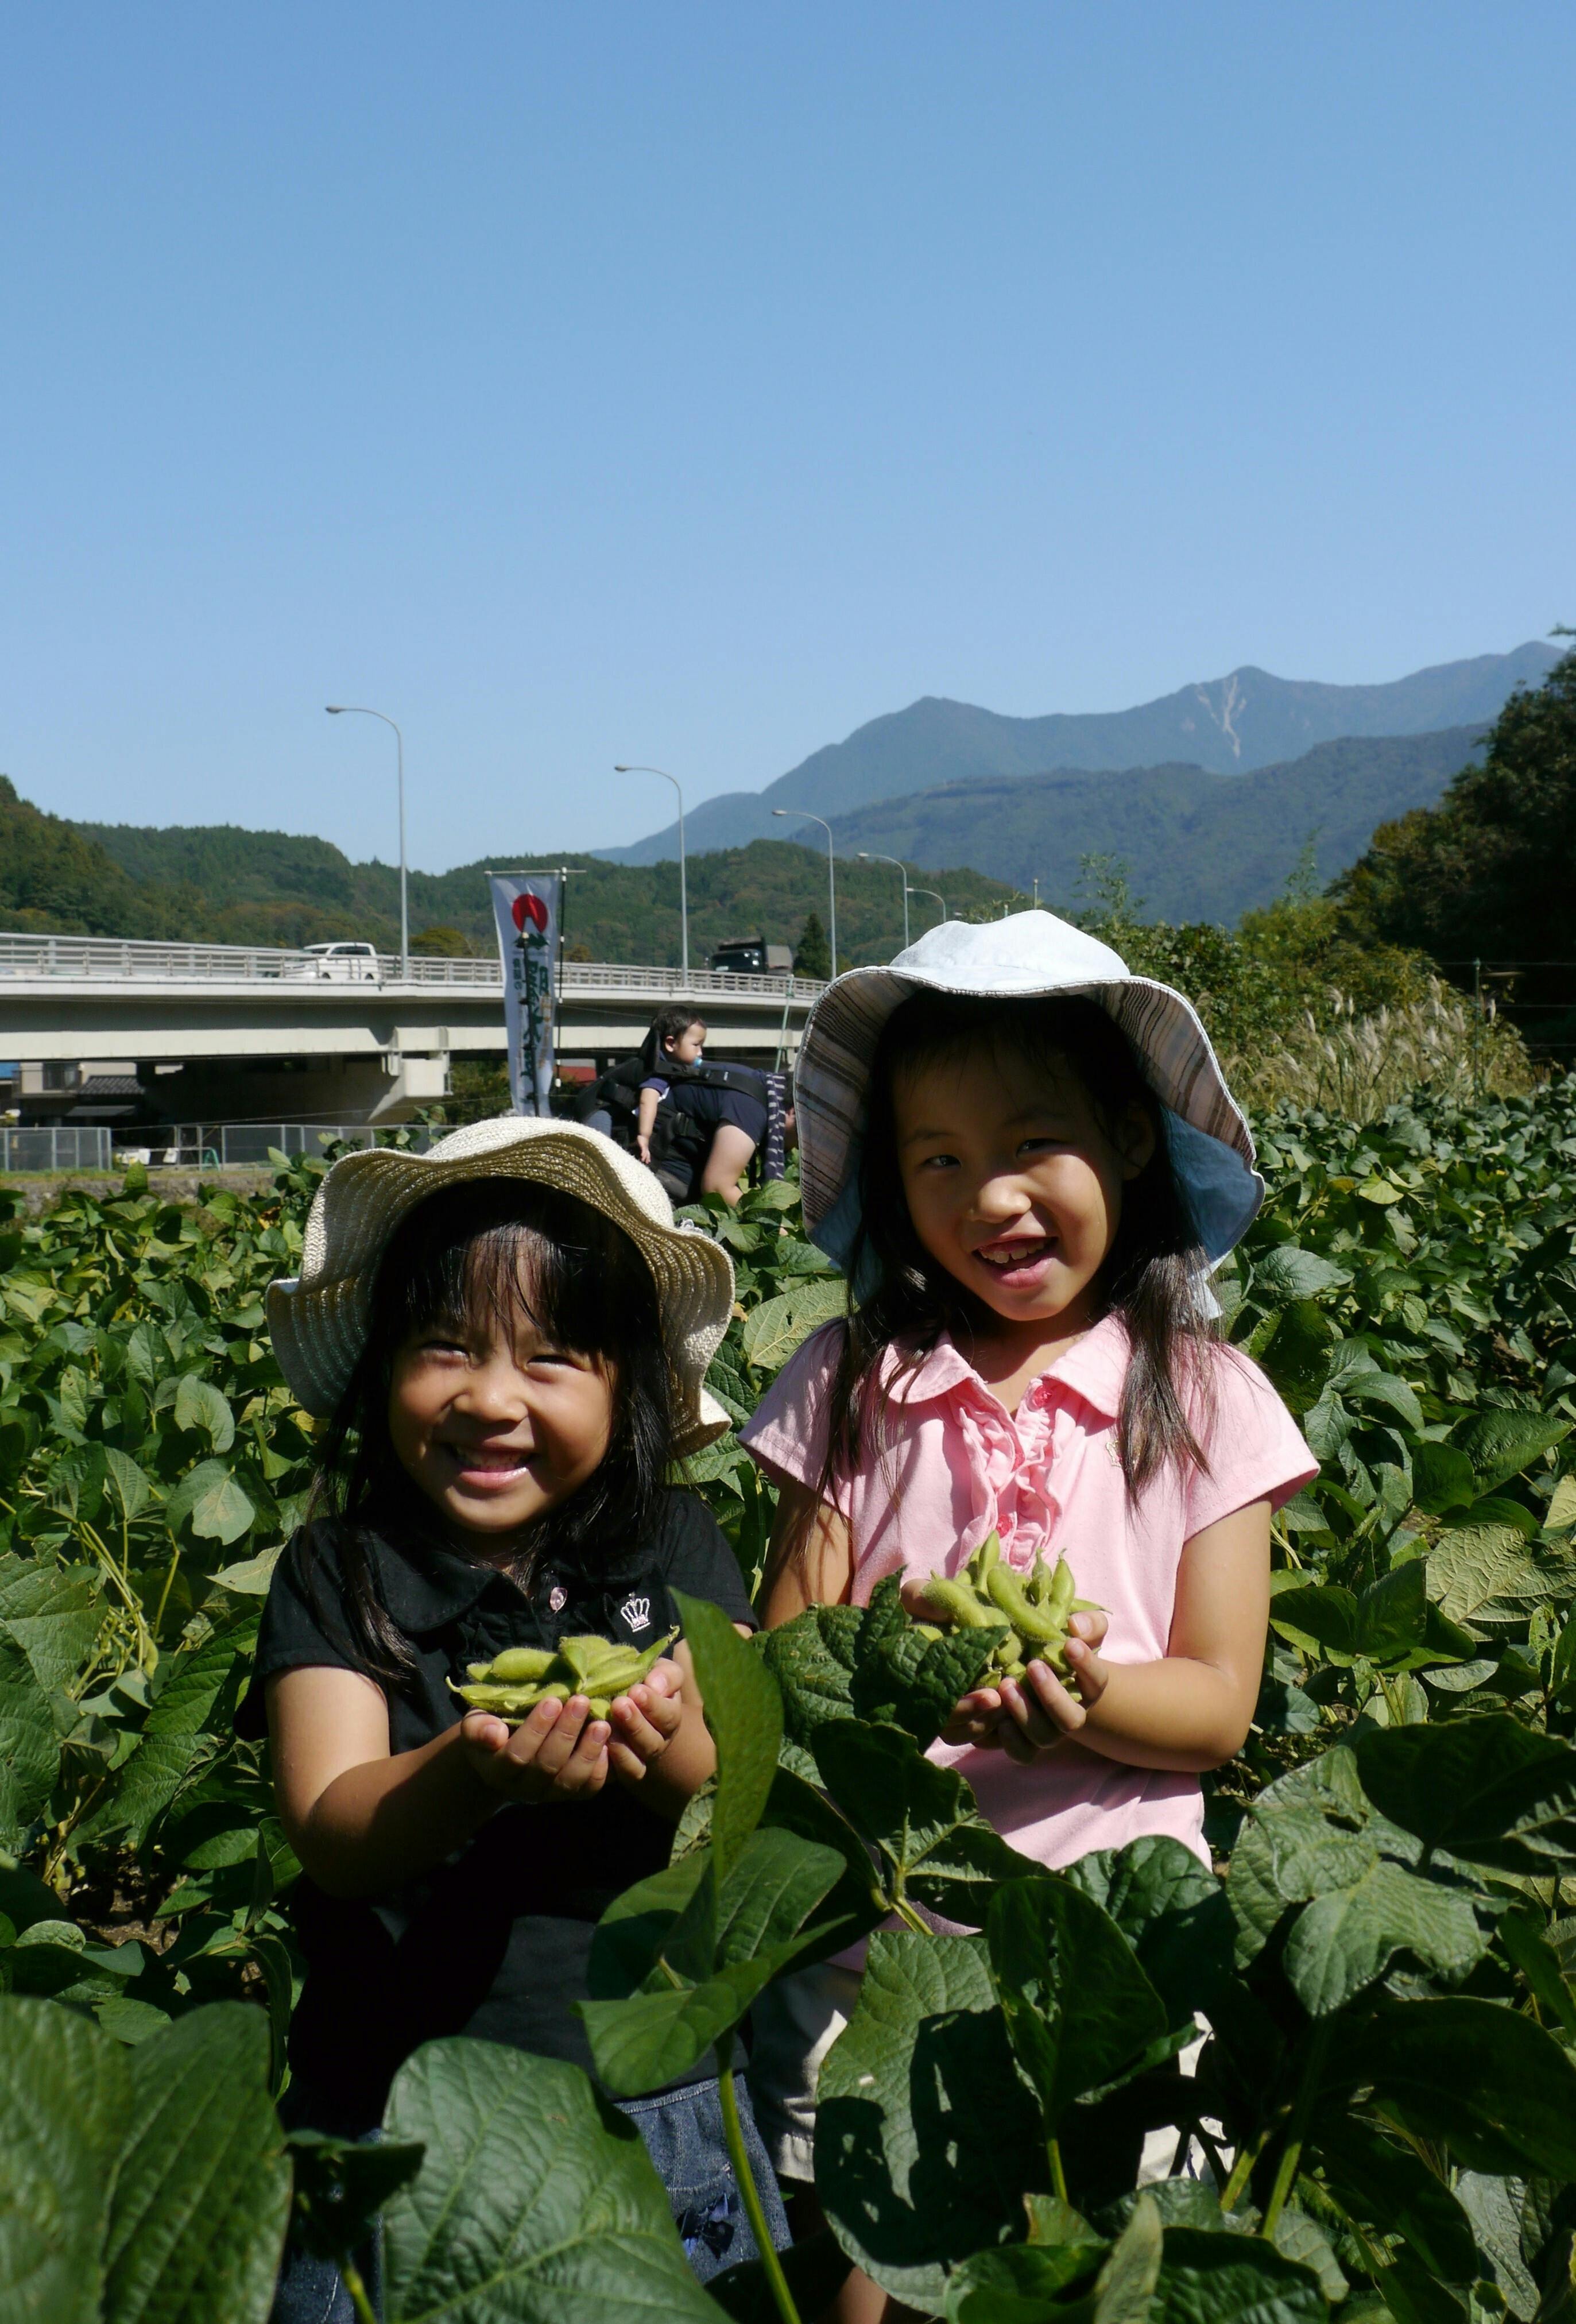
(753, 956)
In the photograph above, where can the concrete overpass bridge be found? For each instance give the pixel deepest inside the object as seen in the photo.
(226, 1031)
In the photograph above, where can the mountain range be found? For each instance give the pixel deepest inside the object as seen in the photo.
(1229, 726)
(1193, 846)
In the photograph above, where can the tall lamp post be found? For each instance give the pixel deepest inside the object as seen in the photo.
(933, 898)
(830, 868)
(360, 710)
(682, 888)
(866, 856)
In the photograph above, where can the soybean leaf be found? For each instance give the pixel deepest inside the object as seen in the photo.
(856, 1901)
(1526, 1949)
(936, 1848)
(30, 1748)
(203, 2190)
(905, 1679)
(52, 1613)
(778, 1882)
(212, 1502)
(654, 2037)
(1317, 1616)
(637, 1925)
(1442, 1478)
(1486, 1789)
(1172, 1910)
(1494, 2086)
(252, 1577)
(1296, 1353)
(1392, 1614)
(1345, 1939)
(1286, 1272)
(536, 2201)
(1016, 2283)
(65, 2106)
(339, 2187)
(1078, 2006)
(172, 1734)
(130, 1487)
(927, 2140)
(1230, 2279)
(744, 1710)
(1385, 1388)
(1486, 1576)
(199, 1405)
(1391, 2189)
(1494, 2206)
(1501, 1444)
(1303, 2238)
(643, 1938)
(676, 1960)
(773, 1330)
(812, 1659)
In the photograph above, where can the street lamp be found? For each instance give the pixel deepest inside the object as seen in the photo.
(933, 898)
(830, 868)
(867, 856)
(682, 888)
(359, 710)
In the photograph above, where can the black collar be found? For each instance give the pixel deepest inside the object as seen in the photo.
(424, 1587)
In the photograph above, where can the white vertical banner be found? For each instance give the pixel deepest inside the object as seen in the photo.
(526, 907)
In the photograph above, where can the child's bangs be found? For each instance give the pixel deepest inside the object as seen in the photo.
(1046, 1036)
(488, 1254)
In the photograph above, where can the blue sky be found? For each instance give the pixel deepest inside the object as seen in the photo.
(692, 382)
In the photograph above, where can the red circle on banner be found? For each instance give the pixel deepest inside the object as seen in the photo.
(532, 908)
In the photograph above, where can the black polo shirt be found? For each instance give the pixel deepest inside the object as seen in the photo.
(493, 1941)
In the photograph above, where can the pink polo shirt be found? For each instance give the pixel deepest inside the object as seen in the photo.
(957, 1464)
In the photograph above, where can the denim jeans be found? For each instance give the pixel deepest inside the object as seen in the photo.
(684, 2138)
(682, 2132)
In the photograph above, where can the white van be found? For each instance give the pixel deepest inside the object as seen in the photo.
(342, 964)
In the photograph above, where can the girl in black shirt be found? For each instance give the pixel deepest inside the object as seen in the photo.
(508, 1337)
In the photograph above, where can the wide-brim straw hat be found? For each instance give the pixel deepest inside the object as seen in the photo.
(319, 1318)
(1029, 955)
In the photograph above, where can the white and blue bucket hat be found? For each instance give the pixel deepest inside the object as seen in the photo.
(1030, 956)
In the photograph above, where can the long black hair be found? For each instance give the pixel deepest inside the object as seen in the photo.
(1149, 1275)
(483, 1252)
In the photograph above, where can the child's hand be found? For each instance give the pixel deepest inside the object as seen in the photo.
(1038, 1711)
(645, 1721)
(560, 1753)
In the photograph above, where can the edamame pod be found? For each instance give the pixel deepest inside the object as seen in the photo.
(519, 1662)
(1035, 1623)
(956, 1603)
(1059, 1603)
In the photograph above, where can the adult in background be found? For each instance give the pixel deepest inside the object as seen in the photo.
(726, 1104)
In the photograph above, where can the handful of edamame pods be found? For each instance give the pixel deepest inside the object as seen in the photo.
(1036, 1608)
(514, 1682)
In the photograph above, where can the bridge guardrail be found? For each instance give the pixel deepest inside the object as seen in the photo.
(136, 960)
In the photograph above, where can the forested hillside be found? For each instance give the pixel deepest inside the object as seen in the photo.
(235, 886)
(1197, 845)
(1483, 881)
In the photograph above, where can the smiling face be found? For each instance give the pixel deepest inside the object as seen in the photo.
(1014, 1184)
(495, 1425)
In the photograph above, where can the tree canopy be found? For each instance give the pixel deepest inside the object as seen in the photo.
(1486, 875)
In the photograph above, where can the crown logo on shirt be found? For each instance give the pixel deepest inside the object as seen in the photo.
(637, 1613)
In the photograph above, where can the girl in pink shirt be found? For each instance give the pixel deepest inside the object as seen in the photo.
(1025, 1161)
